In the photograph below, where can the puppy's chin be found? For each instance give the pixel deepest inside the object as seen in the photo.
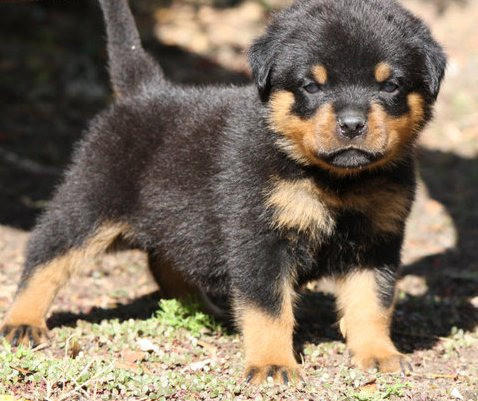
(350, 158)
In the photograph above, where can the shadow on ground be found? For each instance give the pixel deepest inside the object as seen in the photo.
(53, 80)
(139, 308)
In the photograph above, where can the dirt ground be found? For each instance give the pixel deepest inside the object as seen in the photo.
(53, 80)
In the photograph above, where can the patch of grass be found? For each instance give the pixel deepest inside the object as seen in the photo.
(73, 378)
(97, 369)
(458, 340)
(380, 393)
(188, 358)
(186, 315)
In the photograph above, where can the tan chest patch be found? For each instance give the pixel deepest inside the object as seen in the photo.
(387, 209)
(303, 206)
(386, 205)
(298, 205)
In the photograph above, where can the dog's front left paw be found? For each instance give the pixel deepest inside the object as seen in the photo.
(24, 334)
(280, 374)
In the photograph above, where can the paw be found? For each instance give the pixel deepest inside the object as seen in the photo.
(23, 334)
(392, 362)
(279, 373)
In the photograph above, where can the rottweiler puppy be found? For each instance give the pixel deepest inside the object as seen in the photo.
(250, 192)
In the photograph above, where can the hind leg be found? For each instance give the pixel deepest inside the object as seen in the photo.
(170, 281)
(173, 285)
(25, 321)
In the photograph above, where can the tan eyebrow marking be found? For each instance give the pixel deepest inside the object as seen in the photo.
(383, 71)
(320, 73)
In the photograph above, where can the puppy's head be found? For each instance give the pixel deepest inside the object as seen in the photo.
(348, 83)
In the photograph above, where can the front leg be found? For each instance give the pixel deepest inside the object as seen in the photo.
(365, 300)
(267, 327)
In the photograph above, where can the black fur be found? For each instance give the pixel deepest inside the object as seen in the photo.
(188, 168)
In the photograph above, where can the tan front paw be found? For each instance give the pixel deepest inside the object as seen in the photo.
(278, 373)
(24, 334)
(386, 362)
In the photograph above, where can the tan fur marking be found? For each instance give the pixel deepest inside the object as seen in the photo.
(386, 205)
(365, 323)
(32, 303)
(268, 339)
(171, 282)
(320, 74)
(408, 125)
(303, 206)
(400, 132)
(299, 137)
(388, 209)
(302, 139)
(298, 205)
(382, 72)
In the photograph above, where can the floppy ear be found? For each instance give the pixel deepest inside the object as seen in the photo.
(435, 64)
(261, 60)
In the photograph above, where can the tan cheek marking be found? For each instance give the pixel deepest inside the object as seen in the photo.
(283, 121)
(320, 74)
(268, 339)
(399, 131)
(407, 126)
(299, 136)
(297, 205)
(325, 123)
(382, 72)
(364, 322)
(377, 119)
(32, 302)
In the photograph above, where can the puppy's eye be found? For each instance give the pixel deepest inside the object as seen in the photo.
(390, 87)
(312, 87)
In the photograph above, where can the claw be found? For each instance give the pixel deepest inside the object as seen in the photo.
(18, 333)
(250, 374)
(285, 377)
(405, 367)
(272, 371)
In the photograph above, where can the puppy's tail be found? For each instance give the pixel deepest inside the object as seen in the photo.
(130, 67)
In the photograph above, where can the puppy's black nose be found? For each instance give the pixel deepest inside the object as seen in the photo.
(352, 124)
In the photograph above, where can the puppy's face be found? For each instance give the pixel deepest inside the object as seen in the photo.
(348, 83)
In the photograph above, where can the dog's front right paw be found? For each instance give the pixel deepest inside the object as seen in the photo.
(24, 334)
(278, 373)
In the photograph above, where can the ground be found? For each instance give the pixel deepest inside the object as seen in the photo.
(109, 338)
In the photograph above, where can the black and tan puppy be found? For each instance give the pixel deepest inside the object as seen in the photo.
(250, 192)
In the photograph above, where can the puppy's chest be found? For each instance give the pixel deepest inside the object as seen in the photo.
(301, 207)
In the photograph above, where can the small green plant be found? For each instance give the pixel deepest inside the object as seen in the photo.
(186, 315)
(394, 389)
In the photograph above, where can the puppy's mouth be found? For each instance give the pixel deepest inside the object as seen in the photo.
(350, 157)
